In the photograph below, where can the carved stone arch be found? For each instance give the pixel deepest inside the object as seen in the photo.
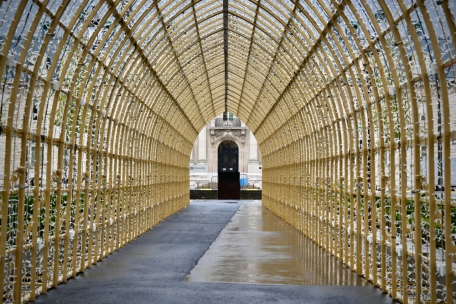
(228, 156)
(241, 146)
(219, 140)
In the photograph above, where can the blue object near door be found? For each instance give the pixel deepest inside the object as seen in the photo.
(243, 181)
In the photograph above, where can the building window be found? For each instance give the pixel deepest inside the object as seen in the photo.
(35, 111)
(32, 156)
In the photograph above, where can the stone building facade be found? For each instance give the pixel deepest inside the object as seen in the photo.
(203, 160)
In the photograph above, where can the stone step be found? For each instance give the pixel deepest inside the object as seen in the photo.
(213, 194)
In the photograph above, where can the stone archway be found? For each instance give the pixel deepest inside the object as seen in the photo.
(228, 156)
(220, 133)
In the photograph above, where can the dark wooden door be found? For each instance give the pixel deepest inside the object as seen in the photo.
(229, 186)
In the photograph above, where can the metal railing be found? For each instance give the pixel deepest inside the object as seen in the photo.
(235, 122)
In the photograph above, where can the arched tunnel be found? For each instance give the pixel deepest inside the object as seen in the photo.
(352, 104)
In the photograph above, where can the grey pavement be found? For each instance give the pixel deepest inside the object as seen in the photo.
(153, 268)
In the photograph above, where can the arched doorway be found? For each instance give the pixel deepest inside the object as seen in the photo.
(228, 156)
(228, 170)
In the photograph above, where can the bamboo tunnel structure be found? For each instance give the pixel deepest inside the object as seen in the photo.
(352, 103)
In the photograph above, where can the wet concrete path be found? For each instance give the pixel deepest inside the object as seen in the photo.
(154, 267)
(258, 247)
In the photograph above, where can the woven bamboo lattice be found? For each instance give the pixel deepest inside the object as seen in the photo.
(352, 103)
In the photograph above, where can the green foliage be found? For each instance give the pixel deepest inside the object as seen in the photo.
(29, 204)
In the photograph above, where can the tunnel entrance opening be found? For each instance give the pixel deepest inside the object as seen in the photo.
(212, 155)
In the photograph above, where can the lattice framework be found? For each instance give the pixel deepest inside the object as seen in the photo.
(351, 102)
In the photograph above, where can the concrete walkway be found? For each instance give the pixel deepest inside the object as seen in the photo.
(153, 268)
(258, 247)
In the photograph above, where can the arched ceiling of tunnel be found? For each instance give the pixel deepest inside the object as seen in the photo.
(269, 61)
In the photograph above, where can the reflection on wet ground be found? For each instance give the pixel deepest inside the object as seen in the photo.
(259, 247)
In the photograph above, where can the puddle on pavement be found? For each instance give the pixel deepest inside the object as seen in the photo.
(259, 247)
